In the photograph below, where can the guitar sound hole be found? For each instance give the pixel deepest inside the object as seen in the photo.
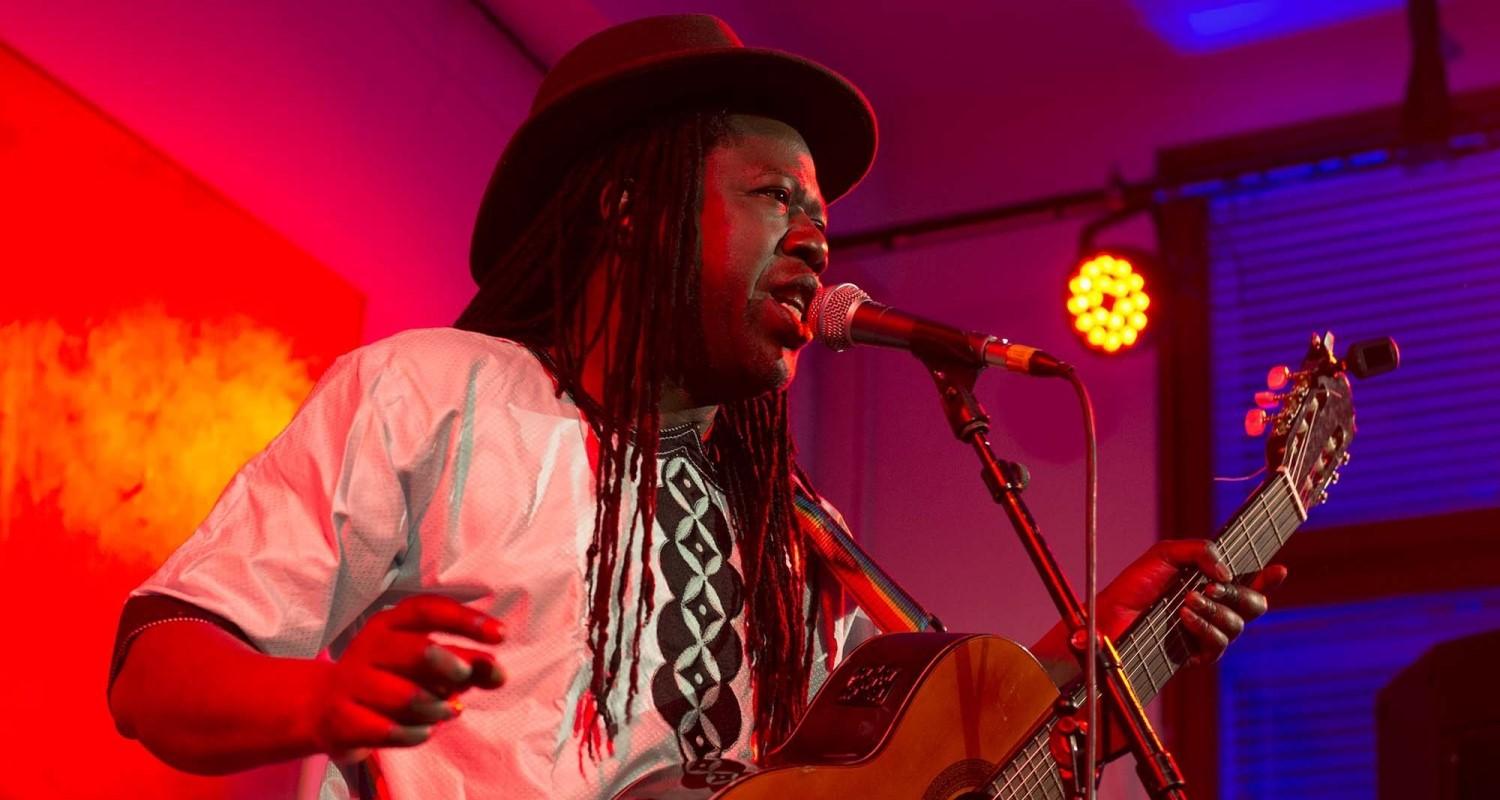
(960, 781)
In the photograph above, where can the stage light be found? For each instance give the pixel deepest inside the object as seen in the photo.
(1107, 298)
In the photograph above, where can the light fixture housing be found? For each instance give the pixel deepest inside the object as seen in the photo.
(1108, 297)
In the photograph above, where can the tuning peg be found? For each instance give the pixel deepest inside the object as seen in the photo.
(1322, 498)
(1267, 399)
(1255, 422)
(1344, 459)
(1333, 477)
(1278, 376)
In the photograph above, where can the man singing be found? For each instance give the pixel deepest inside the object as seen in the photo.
(588, 480)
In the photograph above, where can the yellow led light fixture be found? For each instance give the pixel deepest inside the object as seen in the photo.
(1109, 300)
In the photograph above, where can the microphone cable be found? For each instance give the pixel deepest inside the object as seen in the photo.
(1094, 739)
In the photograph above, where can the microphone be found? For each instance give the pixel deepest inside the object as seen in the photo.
(844, 316)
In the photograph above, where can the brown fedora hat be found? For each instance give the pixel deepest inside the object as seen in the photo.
(624, 74)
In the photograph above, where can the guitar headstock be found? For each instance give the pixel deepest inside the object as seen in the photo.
(1313, 421)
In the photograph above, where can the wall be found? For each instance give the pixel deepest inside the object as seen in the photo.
(364, 132)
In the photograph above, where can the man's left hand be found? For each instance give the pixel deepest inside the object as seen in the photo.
(1214, 616)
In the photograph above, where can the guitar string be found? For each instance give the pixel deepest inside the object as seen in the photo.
(1166, 622)
(1159, 623)
(1034, 764)
(1282, 512)
(1034, 772)
(1037, 765)
(1279, 513)
(1038, 758)
(1037, 762)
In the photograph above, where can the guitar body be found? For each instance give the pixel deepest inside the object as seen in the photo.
(927, 716)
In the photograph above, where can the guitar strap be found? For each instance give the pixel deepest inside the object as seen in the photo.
(876, 593)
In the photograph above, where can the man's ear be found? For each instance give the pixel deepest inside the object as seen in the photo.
(614, 202)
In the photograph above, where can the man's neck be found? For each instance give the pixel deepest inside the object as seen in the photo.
(677, 408)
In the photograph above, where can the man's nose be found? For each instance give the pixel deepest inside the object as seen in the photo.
(808, 244)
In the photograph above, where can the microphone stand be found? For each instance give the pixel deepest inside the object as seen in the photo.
(1005, 480)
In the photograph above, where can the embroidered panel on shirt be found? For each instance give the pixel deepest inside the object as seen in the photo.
(701, 650)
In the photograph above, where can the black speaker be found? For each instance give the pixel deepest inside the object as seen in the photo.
(1438, 724)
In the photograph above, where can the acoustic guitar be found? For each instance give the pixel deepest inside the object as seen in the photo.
(944, 716)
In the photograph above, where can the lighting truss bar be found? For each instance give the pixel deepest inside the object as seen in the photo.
(1140, 196)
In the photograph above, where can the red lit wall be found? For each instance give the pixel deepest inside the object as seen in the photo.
(153, 335)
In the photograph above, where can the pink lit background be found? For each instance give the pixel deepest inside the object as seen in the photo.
(260, 186)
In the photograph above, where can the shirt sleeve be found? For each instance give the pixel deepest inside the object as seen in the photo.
(149, 610)
(310, 532)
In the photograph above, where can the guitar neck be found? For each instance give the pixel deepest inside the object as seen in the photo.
(1157, 644)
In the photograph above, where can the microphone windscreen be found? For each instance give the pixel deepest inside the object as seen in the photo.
(832, 311)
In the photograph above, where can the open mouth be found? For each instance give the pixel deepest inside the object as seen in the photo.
(794, 299)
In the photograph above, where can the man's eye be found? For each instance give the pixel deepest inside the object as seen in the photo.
(779, 194)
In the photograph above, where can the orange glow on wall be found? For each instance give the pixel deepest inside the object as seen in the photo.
(164, 411)
(152, 337)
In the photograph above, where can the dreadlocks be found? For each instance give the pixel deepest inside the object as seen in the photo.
(626, 220)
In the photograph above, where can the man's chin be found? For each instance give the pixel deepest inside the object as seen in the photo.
(776, 373)
(787, 370)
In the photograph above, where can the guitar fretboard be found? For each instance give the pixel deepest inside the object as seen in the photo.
(1156, 645)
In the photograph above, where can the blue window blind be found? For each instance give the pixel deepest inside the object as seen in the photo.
(1297, 690)
(1410, 252)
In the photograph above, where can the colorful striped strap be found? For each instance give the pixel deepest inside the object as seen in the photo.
(888, 605)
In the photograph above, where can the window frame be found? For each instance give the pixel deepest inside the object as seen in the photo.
(1333, 565)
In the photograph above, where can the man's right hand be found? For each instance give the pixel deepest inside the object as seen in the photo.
(394, 683)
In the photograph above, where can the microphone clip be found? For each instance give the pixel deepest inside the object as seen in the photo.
(971, 423)
(955, 384)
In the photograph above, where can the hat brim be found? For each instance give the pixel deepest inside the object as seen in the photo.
(833, 117)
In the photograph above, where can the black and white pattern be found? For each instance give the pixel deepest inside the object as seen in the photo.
(701, 650)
